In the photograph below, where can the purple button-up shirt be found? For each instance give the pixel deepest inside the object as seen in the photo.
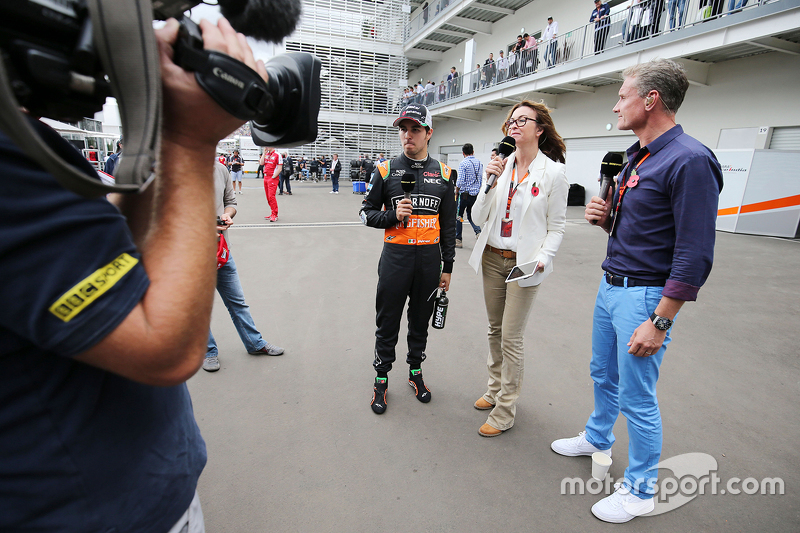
(666, 225)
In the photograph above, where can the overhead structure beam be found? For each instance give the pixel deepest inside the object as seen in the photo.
(463, 114)
(451, 33)
(436, 43)
(575, 87)
(472, 25)
(696, 71)
(777, 45)
(493, 9)
(424, 55)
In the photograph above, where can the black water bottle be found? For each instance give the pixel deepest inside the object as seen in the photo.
(440, 311)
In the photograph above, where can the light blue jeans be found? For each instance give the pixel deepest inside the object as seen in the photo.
(671, 8)
(236, 175)
(230, 290)
(626, 383)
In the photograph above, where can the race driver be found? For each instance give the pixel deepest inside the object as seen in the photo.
(417, 255)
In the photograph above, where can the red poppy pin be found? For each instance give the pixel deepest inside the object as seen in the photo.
(535, 190)
(633, 181)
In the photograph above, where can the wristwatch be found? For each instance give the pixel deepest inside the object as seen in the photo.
(660, 322)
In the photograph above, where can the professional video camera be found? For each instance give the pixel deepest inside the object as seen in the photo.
(62, 58)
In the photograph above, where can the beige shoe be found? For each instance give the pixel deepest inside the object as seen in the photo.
(459, 243)
(488, 431)
(483, 405)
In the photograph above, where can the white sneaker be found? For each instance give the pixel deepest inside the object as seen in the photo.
(576, 446)
(622, 506)
(332, 192)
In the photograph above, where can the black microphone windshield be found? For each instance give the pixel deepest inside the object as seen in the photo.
(611, 165)
(265, 20)
(507, 146)
(407, 181)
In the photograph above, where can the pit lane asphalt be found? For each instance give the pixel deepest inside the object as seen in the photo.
(293, 445)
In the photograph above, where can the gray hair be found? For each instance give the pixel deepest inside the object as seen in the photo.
(662, 75)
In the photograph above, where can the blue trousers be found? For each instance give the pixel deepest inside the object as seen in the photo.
(626, 383)
(465, 204)
(230, 290)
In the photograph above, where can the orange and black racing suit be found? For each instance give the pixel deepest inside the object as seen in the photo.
(413, 257)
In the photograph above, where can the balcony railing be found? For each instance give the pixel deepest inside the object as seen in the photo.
(426, 14)
(641, 21)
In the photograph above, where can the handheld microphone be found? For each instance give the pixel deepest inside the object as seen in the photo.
(407, 182)
(505, 149)
(610, 167)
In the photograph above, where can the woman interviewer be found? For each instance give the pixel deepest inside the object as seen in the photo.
(523, 218)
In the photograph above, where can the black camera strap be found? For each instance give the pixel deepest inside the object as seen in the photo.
(136, 81)
(129, 54)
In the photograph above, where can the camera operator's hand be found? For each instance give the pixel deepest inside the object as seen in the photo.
(190, 114)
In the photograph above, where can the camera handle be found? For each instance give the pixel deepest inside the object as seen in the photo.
(237, 88)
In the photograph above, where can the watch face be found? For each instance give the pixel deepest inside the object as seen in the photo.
(663, 323)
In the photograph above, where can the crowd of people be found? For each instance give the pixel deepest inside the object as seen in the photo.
(108, 314)
(640, 20)
(429, 93)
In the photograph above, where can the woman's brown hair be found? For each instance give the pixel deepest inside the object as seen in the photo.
(551, 142)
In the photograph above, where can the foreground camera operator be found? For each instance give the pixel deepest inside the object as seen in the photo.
(103, 321)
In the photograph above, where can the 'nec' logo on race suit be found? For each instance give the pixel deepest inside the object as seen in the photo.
(422, 202)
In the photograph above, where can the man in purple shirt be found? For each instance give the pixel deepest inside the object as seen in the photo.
(661, 227)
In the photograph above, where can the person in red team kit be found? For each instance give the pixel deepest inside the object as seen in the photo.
(272, 171)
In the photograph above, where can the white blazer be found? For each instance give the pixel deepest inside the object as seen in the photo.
(544, 217)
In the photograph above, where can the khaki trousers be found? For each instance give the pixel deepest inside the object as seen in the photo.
(508, 307)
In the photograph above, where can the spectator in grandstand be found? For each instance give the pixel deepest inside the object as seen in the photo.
(502, 68)
(490, 69)
(550, 40)
(430, 92)
(678, 7)
(531, 53)
(639, 19)
(452, 79)
(512, 62)
(477, 78)
(600, 17)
